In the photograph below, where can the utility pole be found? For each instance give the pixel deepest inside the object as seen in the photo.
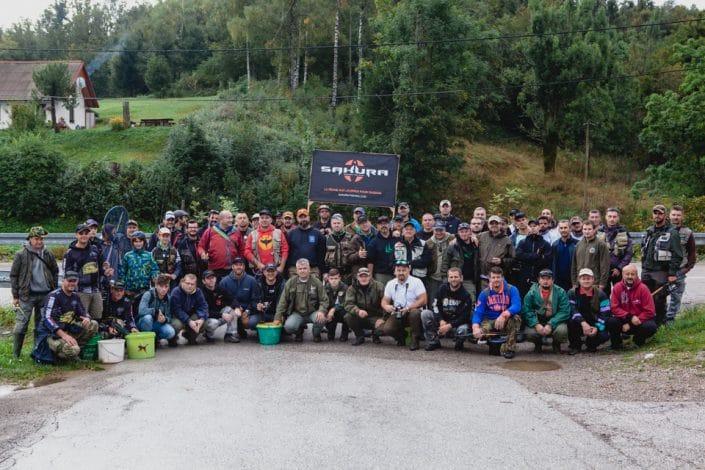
(587, 164)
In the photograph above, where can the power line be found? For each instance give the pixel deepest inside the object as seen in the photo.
(411, 93)
(346, 46)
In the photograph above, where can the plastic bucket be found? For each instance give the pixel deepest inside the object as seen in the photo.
(89, 352)
(111, 351)
(140, 345)
(269, 333)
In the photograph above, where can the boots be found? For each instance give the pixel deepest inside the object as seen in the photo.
(17, 344)
(344, 332)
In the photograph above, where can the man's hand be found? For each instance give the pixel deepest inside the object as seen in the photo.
(16, 302)
(68, 339)
(193, 324)
(477, 331)
(204, 256)
(280, 269)
(112, 330)
(160, 317)
(539, 329)
(379, 323)
(259, 265)
(330, 316)
(228, 317)
(625, 327)
(134, 330)
(172, 276)
(586, 328)
(237, 312)
(85, 322)
(362, 252)
(320, 317)
(260, 307)
(636, 321)
(547, 330)
(672, 279)
(593, 331)
(362, 313)
(615, 272)
(501, 320)
(277, 322)
(444, 328)
(388, 308)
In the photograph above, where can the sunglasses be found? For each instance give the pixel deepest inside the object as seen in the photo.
(71, 280)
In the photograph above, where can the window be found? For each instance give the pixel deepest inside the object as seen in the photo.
(71, 118)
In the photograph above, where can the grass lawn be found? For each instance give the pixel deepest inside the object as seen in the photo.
(144, 107)
(683, 343)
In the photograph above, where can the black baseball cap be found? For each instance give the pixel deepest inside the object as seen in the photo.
(208, 273)
(270, 267)
(82, 228)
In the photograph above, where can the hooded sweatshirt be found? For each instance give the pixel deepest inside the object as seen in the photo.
(86, 262)
(491, 303)
(627, 302)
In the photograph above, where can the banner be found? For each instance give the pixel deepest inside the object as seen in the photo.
(357, 179)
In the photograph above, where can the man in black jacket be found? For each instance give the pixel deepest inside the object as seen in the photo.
(380, 253)
(187, 250)
(271, 286)
(452, 313)
(464, 254)
(83, 258)
(533, 254)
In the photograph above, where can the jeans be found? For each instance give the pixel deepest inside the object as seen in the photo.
(640, 333)
(24, 313)
(432, 320)
(163, 330)
(674, 305)
(296, 321)
(92, 303)
(213, 324)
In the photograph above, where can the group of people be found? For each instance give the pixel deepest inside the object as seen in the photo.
(496, 279)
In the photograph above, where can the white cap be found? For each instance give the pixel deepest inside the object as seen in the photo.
(444, 202)
(586, 272)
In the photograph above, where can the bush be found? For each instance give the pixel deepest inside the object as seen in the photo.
(89, 190)
(29, 169)
(117, 124)
(26, 117)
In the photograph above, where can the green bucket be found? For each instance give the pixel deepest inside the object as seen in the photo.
(269, 333)
(140, 345)
(89, 352)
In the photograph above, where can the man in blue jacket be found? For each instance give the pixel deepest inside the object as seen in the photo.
(563, 250)
(306, 242)
(498, 311)
(380, 253)
(242, 294)
(189, 308)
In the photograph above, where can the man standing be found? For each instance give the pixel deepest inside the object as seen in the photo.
(66, 327)
(549, 233)
(533, 255)
(209, 222)
(84, 258)
(363, 307)
(308, 243)
(303, 301)
(188, 250)
(166, 256)
(662, 255)
(404, 210)
(335, 290)
(324, 219)
(338, 246)
(358, 212)
(33, 275)
(404, 297)
(563, 250)
(689, 258)
(496, 249)
(633, 310)
(546, 312)
(169, 222)
(380, 253)
(138, 269)
(357, 256)
(414, 252)
(242, 293)
(154, 312)
(451, 222)
(438, 245)
(190, 308)
(219, 312)
(179, 231)
(589, 311)
(621, 251)
(242, 223)
(288, 222)
(266, 245)
(220, 245)
(498, 311)
(427, 224)
(595, 216)
(451, 315)
(576, 228)
(593, 254)
(522, 229)
(464, 254)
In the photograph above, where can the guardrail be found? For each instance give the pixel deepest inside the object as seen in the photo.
(66, 238)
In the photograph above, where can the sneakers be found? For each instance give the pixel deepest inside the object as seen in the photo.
(573, 351)
(173, 342)
(376, 339)
(359, 340)
(231, 339)
(538, 348)
(344, 335)
(556, 347)
(509, 354)
(414, 344)
(317, 338)
(210, 340)
(299, 336)
(433, 346)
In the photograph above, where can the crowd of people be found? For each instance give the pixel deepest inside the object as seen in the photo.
(496, 279)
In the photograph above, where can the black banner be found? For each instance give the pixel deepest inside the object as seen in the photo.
(353, 178)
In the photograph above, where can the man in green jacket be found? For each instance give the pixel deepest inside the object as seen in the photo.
(591, 253)
(545, 312)
(304, 300)
(363, 306)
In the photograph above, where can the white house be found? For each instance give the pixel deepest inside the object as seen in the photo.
(17, 86)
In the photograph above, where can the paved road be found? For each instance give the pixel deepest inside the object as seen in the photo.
(306, 406)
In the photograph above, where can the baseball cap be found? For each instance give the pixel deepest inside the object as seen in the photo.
(494, 218)
(401, 262)
(513, 212)
(398, 218)
(519, 215)
(546, 273)
(265, 212)
(117, 285)
(288, 214)
(363, 272)
(408, 222)
(132, 222)
(361, 210)
(404, 204)
(439, 226)
(37, 232)
(337, 216)
(576, 218)
(70, 275)
(464, 225)
(301, 212)
(180, 213)
(92, 223)
(586, 272)
(169, 215)
(382, 219)
(82, 228)
(444, 202)
(362, 219)
(164, 230)
(270, 267)
(255, 216)
(533, 222)
(659, 208)
(323, 207)
(208, 273)
(239, 260)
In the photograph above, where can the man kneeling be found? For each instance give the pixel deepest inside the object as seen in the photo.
(190, 308)
(497, 312)
(66, 327)
(633, 309)
(545, 313)
(154, 312)
(451, 315)
(303, 301)
(589, 311)
(363, 304)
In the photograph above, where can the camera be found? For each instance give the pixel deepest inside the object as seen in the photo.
(397, 312)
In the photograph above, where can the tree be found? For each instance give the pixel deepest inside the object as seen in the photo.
(158, 75)
(53, 82)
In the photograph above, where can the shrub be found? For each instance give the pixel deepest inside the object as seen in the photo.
(26, 117)
(117, 124)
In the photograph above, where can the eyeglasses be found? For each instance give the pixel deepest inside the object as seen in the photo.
(72, 280)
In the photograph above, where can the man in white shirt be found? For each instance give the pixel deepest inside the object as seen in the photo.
(404, 297)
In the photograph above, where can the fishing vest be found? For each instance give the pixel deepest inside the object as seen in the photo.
(685, 234)
(165, 259)
(400, 253)
(618, 245)
(335, 257)
(662, 245)
(253, 237)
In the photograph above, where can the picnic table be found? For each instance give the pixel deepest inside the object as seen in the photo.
(157, 122)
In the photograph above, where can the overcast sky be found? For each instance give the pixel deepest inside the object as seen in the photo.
(14, 10)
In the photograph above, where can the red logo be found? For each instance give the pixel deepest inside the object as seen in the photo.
(353, 165)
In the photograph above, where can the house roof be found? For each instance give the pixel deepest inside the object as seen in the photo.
(16, 83)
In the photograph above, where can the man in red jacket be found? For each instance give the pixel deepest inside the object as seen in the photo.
(220, 245)
(266, 245)
(632, 308)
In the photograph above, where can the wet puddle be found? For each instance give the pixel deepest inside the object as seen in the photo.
(531, 366)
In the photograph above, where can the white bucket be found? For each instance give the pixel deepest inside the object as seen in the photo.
(111, 351)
